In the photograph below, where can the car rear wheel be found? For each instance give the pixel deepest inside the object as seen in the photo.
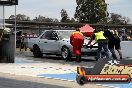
(36, 51)
(65, 53)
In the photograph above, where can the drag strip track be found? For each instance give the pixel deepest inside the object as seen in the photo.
(13, 83)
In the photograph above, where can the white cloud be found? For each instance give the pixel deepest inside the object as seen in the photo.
(112, 1)
(50, 8)
(122, 7)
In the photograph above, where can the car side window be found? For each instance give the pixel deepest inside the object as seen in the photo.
(46, 35)
(53, 36)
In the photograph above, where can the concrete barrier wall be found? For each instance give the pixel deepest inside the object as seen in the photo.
(7, 49)
(11, 55)
(126, 47)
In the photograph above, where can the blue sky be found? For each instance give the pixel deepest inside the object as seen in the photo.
(52, 8)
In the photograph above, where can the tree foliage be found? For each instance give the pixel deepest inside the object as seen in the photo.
(118, 19)
(40, 18)
(20, 17)
(65, 18)
(64, 15)
(91, 11)
(45, 19)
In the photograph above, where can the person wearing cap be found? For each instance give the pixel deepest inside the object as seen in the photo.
(102, 43)
(77, 40)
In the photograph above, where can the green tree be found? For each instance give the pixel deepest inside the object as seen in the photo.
(55, 20)
(64, 15)
(72, 20)
(65, 18)
(91, 11)
(20, 17)
(118, 19)
(45, 19)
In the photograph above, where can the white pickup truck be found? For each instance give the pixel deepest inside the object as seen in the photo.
(56, 42)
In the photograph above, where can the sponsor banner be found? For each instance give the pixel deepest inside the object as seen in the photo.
(106, 71)
(108, 78)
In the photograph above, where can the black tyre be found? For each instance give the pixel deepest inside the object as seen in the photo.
(65, 53)
(81, 80)
(36, 51)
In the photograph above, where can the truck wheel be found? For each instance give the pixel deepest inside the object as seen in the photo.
(36, 51)
(81, 80)
(65, 53)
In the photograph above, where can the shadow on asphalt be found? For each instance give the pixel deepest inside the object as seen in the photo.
(53, 57)
(27, 57)
(15, 83)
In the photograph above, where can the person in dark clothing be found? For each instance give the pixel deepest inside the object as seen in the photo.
(117, 43)
(113, 42)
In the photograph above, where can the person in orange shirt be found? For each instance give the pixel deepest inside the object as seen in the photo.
(77, 40)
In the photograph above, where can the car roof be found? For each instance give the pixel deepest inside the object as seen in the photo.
(58, 29)
(64, 30)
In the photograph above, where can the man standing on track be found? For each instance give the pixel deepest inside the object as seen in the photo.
(77, 40)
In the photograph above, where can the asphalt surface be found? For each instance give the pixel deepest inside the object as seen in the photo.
(13, 83)
(27, 65)
(27, 57)
(16, 81)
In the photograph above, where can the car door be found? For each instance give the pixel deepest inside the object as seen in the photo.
(53, 43)
(43, 41)
(50, 42)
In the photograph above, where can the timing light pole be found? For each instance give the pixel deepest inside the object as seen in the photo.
(15, 28)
